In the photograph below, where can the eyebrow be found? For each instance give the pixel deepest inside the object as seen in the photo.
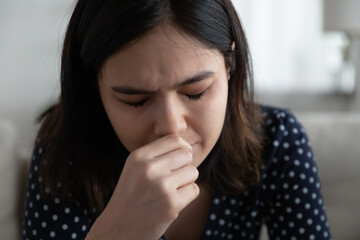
(133, 91)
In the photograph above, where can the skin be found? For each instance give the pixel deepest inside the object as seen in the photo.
(165, 96)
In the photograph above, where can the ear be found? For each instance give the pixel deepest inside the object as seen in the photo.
(229, 63)
(228, 70)
(233, 46)
(229, 66)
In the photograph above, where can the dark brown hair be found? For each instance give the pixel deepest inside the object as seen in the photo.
(81, 150)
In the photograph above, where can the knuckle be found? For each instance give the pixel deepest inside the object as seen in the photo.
(165, 187)
(191, 171)
(135, 156)
(147, 175)
(194, 170)
(173, 138)
(186, 154)
(192, 192)
(178, 140)
(149, 170)
(196, 190)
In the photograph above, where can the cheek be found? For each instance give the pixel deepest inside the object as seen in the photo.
(209, 122)
(213, 110)
(129, 129)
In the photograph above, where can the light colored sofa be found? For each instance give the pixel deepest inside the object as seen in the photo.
(9, 181)
(335, 137)
(336, 143)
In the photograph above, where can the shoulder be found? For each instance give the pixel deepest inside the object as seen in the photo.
(288, 158)
(280, 121)
(288, 154)
(284, 134)
(289, 189)
(36, 159)
(46, 216)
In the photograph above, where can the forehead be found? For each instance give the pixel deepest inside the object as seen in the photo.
(164, 55)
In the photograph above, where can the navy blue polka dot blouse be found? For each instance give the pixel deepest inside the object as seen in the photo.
(287, 199)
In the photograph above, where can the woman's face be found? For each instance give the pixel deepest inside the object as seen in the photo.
(166, 83)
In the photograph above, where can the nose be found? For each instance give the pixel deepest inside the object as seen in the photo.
(169, 118)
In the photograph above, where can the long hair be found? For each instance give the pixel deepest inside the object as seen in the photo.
(81, 150)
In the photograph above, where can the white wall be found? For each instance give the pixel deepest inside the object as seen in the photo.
(31, 33)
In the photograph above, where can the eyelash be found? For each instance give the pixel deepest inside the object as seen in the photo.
(138, 104)
(195, 97)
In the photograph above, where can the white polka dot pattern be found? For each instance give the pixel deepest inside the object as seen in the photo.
(49, 218)
(288, 198)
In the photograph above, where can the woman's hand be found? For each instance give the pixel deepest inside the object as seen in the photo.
(157, 182)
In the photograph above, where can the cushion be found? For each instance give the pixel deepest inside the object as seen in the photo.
(9, 223)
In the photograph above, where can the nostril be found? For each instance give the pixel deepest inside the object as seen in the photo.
(170, 126)
(169, 116)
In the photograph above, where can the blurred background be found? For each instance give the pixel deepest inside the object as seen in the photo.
(306, 56)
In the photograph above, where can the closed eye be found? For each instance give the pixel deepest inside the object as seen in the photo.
(195, 97)
(136, 104)
(192, 97)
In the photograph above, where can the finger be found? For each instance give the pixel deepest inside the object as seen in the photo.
(165, 165)
(184, 176)
(173, 160)
(164, 145)
(188, 193)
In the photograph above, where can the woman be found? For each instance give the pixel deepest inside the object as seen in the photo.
(156, 134)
